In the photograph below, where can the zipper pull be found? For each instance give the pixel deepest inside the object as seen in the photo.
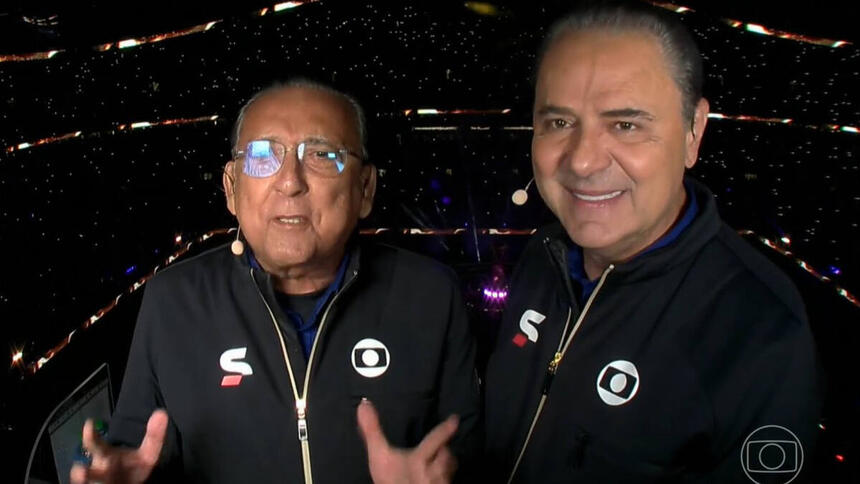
(550, 372)
(301, 420)
(553, 365)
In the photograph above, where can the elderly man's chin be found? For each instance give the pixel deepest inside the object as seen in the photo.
(282, 251)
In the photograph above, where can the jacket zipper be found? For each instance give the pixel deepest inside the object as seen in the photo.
(553, 365)
(302, 401)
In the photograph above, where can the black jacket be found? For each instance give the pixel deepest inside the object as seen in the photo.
(206, 322)
(683, 354)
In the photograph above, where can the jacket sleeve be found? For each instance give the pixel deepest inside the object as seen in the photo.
(458, 386)
(768, 410)
(140, 394)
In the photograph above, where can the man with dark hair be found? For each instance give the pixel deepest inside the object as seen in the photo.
(643, 340)
(283, 356)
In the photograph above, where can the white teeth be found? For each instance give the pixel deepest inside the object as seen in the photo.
(290, 220)
(597, 198)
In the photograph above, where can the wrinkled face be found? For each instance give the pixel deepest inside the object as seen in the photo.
(297, 218)
(610, 143)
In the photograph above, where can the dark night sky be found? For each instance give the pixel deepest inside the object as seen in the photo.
(82, 219)
(84, 211)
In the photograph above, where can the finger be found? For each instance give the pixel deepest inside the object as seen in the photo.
(153, 441)
(81, 474)
(437, 438)
(371, 430)
(78, 474)
(93, 443)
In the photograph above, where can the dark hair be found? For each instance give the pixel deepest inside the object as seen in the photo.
(300, 82)
(677, 45)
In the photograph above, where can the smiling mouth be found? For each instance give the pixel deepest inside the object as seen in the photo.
(290, 220)
(598, 198)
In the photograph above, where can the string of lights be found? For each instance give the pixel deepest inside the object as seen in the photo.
(833, 128)
(841, 291)
(29, 57)
(760, 29)
(282, 6)
(482, 8)
(433, 111)
(150, 39)
(495, 295)
(118, 128)
(32, 367)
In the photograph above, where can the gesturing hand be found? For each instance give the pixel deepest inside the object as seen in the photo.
(115, 465)
(430, 462)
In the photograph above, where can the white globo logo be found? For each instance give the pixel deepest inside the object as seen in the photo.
(618, 382)
(370, 358)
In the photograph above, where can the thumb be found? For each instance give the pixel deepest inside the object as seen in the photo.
(371, 430)
(153, 441)
(91, 439)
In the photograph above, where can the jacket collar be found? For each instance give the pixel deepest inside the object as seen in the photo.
(246, 262)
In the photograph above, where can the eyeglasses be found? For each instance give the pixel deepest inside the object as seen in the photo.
(263, 158)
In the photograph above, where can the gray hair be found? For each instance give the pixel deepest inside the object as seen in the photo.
(300, 82)
(677, 45)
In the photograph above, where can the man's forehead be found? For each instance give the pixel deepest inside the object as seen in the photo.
(599, 93)
(598, 40)
(298, 99)
(604, 51)
(605, 67)
(305, 111)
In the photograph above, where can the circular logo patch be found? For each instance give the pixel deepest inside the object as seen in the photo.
(370, 358)
(618, 382)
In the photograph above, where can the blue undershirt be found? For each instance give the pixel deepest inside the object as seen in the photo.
(576, 265)
(307, 330)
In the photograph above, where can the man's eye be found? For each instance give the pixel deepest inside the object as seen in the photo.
(625, 126)
(558, 123)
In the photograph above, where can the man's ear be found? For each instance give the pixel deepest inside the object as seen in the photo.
(229, 181)
(368, 189)
(694, 135)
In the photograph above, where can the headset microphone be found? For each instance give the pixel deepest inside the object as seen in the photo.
(521, 196)
(237, 247)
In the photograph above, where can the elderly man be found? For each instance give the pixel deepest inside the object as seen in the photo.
(267, 359)
(643, 340)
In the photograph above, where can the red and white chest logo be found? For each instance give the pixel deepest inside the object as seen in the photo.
(230, 363)
(528, 326)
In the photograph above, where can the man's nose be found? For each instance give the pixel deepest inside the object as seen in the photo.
(586, 153)
(290, 178)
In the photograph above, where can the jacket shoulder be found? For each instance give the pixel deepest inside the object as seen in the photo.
(203, 265)
(763, 279)
(405, 261)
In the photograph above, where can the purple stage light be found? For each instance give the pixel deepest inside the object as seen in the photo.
(495, 295)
